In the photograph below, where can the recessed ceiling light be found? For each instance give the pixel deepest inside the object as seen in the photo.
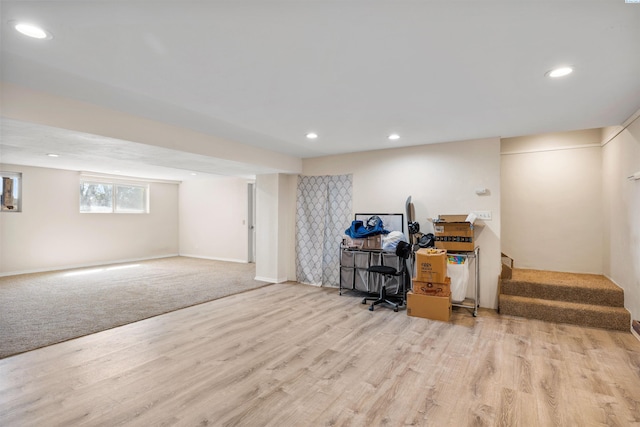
(312, 135)
(31, 30)
(53, 155)
(394, 136)
(193, 174)
(560, 72)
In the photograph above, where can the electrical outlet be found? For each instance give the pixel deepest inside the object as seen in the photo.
(483, 215)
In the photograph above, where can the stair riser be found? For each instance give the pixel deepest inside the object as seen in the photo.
(615, 321)
(610, 298)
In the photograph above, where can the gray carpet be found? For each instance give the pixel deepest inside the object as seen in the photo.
(41, 309)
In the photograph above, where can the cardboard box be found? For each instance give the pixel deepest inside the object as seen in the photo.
(432, 288)
(507, 267)
(431, 265)
(371, 242)
(428, 306)
(454, 233)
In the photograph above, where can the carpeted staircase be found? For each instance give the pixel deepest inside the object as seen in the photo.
(580, 299)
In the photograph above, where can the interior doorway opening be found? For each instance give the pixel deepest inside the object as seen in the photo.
(251, 219)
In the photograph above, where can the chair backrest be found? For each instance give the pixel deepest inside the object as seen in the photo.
(403, 250)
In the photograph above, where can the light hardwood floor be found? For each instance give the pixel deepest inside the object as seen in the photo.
(295, 355)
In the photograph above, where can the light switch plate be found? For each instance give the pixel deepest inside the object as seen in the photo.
(483, 215)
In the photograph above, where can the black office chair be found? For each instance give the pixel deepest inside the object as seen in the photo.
(403, 251)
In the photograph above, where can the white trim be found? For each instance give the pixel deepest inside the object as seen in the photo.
(631, 324)
(74, 266)
(608, 138)
(632, 118)
(622, 127)
(269, 279)
(542, 150)
(612, 281)
(242, 261)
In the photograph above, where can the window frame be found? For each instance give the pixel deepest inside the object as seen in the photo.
(16, 177)
(115, 184)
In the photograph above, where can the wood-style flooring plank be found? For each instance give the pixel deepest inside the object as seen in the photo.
(291, 354)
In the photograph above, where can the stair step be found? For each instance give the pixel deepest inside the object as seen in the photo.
(570, 287)
(596, 316)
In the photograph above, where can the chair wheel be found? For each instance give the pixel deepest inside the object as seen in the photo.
(370, 308)
(364, 301)
(395, 309)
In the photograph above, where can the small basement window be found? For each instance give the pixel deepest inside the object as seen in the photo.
(113, 197)
(11, 197)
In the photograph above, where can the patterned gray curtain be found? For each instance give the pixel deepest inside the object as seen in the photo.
(323, 213)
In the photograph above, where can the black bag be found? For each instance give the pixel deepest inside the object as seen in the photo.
(427, 241)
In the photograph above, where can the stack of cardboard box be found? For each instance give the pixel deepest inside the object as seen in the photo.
(455, 232)
(431, 294)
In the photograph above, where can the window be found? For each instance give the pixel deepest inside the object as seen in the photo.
(11, 197)
(96, 197)
(111, 197)
(131, 199)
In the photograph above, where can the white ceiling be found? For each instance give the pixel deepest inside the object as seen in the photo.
(264, 73)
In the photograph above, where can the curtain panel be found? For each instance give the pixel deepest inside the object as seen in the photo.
(323, 212)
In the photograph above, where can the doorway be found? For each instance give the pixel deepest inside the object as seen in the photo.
(251, 221)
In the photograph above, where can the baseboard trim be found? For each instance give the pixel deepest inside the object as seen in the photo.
(635, 329)
(242, 261)
(269, 279)
(613, 281)
(75, 266)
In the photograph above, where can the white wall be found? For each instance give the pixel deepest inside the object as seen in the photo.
(287, 225)
(275, 206)
(441, 178)
(50, 232)
(621, 158)
(213, 219)
(552, 201)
